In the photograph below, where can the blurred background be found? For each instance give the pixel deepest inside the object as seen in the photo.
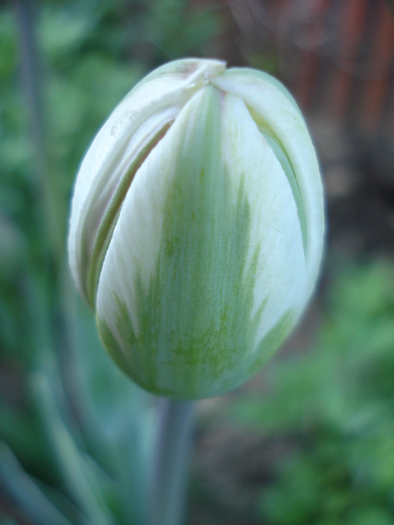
(310, 439)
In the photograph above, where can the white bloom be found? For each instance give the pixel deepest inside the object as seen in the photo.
(197, 226)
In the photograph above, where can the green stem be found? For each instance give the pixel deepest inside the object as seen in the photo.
(170, 465)
(53, 209)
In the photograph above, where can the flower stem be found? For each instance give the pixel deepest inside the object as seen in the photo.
(170, 464)
(53, 208)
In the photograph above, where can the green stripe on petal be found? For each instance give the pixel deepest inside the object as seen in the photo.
(280, 282)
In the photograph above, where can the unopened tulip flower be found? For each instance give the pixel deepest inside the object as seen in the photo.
(196, 229)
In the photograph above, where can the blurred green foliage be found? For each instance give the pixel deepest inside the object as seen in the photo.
(335, 407)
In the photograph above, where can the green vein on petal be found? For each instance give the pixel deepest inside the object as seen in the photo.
(195, 325)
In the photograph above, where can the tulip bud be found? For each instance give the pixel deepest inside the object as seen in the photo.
(196, 229)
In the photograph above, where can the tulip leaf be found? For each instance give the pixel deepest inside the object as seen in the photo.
(26, 491)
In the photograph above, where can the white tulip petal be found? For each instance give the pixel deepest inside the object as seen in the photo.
(273, 108)
(143, 114)
(275, 257)
(132, 255)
